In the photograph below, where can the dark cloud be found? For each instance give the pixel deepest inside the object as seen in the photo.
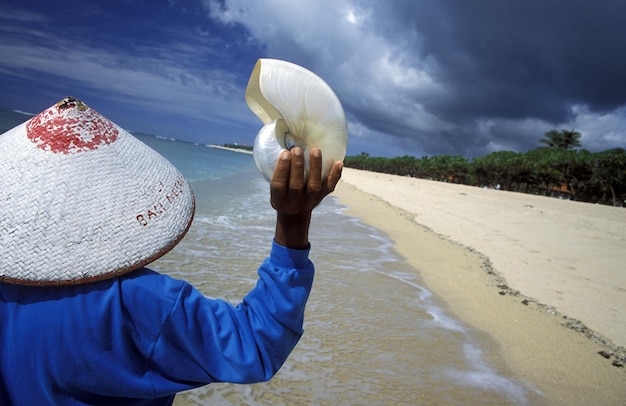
(518, 59)
(503, 73)
(417, 77)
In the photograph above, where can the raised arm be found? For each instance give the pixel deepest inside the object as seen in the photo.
(249, 342)
(294, 197)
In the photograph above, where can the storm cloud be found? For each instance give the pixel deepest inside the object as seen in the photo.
(458, 77)
(415, 77)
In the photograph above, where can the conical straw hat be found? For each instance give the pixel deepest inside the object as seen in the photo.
(83, 200)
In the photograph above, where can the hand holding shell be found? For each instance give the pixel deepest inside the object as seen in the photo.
(297, 108)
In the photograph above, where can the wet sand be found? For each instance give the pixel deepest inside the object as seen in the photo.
(517, 267)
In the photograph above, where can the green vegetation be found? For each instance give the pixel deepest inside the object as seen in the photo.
(556, 170)
(565, 139)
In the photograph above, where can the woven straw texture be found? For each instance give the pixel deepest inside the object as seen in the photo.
(86, 213)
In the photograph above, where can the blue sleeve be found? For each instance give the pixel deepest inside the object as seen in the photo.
(205, 340)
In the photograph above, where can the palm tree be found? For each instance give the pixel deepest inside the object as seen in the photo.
(565, 139)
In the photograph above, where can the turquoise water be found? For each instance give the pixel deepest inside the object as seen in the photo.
(373, 334)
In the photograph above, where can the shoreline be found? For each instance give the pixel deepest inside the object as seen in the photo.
(240, 150)
(456, 255)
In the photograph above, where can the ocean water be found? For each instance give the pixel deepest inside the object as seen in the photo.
(373, 334)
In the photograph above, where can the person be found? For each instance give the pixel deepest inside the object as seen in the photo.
(129, 335)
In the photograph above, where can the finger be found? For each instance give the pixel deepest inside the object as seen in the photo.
(296, 175)
(334, 176)
(315, 171)
(278, 183)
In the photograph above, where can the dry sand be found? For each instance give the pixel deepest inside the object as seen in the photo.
(566, 255)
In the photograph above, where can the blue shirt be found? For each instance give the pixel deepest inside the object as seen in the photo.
(140, 338)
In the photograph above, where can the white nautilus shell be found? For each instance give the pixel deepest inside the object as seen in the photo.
(298, 109)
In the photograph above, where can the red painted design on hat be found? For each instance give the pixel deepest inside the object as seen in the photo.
(70, 126)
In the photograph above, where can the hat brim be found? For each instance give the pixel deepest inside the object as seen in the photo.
(87, 215)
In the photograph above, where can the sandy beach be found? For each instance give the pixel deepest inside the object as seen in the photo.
(544, 277)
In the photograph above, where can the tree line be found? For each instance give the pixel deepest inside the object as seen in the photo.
(559, 169)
